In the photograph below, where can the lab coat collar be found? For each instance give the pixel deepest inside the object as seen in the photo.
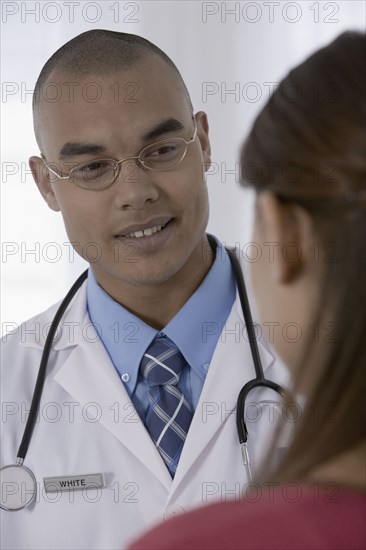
(75, 325)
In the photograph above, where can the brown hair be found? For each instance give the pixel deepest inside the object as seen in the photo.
(307, 146)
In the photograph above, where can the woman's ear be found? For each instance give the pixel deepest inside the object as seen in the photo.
(288, 228)
(202, 134)
(42, 178)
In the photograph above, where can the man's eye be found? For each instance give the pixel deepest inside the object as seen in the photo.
(162, 151)
(91, 167)
(97, 167)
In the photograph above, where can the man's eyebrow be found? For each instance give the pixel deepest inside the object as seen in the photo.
(169, 125)
(73, 149)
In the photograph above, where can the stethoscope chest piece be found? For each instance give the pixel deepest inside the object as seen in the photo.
(18, 487)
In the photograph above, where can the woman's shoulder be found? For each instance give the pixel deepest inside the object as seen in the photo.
(282, 517)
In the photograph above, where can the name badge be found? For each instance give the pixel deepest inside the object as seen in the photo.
(73, 483)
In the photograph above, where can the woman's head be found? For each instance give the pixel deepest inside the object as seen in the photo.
(308, 142)
(305, 157)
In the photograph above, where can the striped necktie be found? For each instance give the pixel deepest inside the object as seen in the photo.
(169, 415)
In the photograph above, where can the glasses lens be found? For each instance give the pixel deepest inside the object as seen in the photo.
(94, 175)
(163, 155)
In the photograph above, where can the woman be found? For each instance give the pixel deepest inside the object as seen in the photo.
(305, 157)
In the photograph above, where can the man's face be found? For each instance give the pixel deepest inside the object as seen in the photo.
(134, 108)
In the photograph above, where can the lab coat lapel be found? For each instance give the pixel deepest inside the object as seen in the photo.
(90, 378)
(231, 367)
(88, 375)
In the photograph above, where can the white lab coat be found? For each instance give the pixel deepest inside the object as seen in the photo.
(87, 424)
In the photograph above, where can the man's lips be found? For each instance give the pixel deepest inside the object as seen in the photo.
(155, 224)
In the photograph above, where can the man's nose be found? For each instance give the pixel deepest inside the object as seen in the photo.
(134, 186)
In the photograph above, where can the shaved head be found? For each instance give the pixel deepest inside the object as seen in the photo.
(98, 52)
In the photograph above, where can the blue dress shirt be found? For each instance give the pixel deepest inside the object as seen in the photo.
(195, 330)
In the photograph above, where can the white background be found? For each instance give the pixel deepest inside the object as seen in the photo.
(218, 47)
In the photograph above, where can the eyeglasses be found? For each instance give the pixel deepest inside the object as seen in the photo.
(99, 174)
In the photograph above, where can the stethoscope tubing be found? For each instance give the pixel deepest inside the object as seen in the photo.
(259, 380)
(31, 421)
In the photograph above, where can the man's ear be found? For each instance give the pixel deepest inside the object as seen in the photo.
(202, 133)
(289, 225)
(42, 178)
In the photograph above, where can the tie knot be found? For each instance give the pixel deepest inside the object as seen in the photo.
(162, 363)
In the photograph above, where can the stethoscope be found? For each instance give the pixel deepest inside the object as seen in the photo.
(22, 479)
(259, 380)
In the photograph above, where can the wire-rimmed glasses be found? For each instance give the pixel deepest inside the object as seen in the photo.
(99, 174)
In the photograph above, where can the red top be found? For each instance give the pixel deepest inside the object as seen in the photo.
(290, 517)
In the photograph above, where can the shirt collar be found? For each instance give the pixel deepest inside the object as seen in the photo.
(124, 335)
(197, 326)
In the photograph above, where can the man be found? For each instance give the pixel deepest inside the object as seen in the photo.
(124, 446)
